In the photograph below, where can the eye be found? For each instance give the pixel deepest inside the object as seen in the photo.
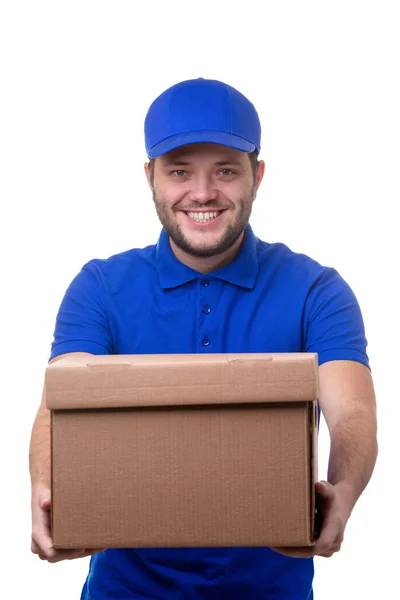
(226, 172)
(179, 173)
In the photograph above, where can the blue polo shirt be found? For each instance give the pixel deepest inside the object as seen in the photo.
(143, 301)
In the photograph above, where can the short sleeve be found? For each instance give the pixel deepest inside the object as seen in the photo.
(333, 322)
(82, 322)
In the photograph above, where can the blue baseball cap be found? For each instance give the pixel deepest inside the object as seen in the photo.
(201, 110)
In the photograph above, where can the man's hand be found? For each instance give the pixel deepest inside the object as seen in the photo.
(336, 509)
(41, 536)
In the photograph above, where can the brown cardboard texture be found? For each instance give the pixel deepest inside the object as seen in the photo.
(183, 450)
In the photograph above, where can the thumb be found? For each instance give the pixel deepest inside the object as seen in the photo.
(324, 489)
(45, 500)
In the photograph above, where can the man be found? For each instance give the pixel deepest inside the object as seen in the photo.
(210, 285)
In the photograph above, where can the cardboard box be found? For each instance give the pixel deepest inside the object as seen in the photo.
(183, 450)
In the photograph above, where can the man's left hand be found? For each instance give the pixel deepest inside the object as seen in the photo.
(334, 506)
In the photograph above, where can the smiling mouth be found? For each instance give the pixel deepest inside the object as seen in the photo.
(203, 217)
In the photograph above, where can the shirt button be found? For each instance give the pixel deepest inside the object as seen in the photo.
(205, 342)
(206, 309)
(205, 282)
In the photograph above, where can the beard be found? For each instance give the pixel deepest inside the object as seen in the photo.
(228, 238)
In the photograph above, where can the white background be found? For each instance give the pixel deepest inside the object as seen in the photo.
(76, 81)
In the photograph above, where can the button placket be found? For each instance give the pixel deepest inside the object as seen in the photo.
(205, 309)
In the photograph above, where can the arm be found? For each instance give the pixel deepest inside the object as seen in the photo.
(39, 467)
(39, 449)
(347, 401)
(82, 327)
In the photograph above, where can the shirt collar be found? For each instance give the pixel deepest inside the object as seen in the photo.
(242, 271)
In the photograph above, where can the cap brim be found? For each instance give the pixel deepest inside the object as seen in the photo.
(196, 137)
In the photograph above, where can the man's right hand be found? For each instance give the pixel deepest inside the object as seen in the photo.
(42, 544)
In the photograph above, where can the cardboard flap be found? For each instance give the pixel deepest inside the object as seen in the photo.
(118, 381)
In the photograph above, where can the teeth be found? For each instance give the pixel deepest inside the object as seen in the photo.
(201, 217)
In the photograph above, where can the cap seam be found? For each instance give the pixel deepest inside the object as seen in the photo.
(230, 110)
(169, 110)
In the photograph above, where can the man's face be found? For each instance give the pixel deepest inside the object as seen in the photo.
(203, 195)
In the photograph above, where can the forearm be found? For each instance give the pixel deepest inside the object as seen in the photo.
(39, 450)
(353, 452)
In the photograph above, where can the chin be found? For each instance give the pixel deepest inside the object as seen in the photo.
(204, 246)
(203, 250)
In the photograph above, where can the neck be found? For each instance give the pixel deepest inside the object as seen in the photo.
(206, 264)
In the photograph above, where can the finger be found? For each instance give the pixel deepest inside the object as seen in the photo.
(43, 554)
(296, 552)
(326, 554)
(41, 533)
(325, 542)
(72, 554)
(42, 497)
(335, 547)
(325, 490)
(41, 539)
(45, 502)
(34, 547)
(331, 542)
(55, 556)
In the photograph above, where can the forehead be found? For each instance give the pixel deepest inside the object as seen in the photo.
(196, 153)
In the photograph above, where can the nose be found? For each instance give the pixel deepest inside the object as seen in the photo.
(203, 189)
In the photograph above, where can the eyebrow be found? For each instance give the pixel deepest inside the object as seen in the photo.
(184, 163)
(175, 163)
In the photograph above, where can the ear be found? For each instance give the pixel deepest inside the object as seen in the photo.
(147, 173)
(259, 176)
